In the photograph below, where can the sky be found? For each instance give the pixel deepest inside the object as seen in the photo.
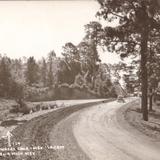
(34, 28)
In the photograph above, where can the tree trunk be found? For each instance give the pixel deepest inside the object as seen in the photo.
(144, 78)
(150, 103)
(150, 99)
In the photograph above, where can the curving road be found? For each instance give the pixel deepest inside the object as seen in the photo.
(102, 137)
(93, 131)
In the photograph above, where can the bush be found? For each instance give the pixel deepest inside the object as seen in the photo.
(22, 107)
(14, 109)
(24, 110)
(45, 107)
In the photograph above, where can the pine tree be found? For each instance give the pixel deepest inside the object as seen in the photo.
(50, 77)
(44, 72)
(5, 76)
(137, 20)
(32, 71)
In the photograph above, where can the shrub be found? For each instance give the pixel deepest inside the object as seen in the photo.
(38, 107)
(45, 107)
(23, 108)
(14, 109)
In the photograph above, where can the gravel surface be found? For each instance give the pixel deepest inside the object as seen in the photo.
(96, 130)
(37, 132)
(60, 104)
(103, 134)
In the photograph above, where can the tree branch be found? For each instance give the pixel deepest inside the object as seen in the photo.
(117, 15)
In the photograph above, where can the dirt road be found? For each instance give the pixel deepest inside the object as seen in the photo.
(102, 137)
(93, 131)
(50, 129)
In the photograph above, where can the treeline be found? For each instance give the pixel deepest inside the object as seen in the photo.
(79, 67)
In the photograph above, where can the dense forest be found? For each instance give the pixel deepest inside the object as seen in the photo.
(48, 78)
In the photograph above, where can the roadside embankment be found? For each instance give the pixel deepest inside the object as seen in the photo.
(151, 128)
(36, 132)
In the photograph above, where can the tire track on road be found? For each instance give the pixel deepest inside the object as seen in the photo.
(101, 136)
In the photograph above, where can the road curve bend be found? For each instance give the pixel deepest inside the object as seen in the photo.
(100, 135)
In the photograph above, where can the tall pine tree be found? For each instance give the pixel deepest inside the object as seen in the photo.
(137, 20)
(5, 76)
(32, 71)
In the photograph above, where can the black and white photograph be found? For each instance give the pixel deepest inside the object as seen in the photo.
(80, 80)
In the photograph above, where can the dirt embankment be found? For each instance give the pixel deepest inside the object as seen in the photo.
(104, 131)
(36, 132)
(151, 128)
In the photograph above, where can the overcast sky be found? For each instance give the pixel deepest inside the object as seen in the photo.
(34, 28)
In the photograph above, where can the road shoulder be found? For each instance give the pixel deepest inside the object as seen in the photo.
(131, 116)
